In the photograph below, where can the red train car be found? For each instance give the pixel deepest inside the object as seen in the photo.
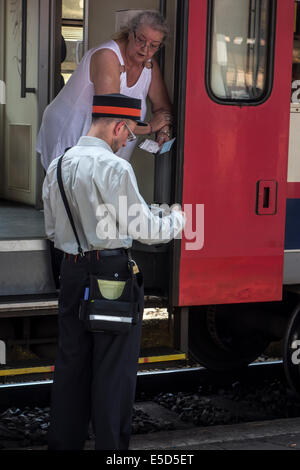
(232, 70)
(235, 163)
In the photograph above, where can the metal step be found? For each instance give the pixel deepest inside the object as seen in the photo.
(49, 368)
(38, 305)
(19, 309)
(25, 267)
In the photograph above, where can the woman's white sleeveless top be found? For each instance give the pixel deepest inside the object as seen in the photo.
(69, 115)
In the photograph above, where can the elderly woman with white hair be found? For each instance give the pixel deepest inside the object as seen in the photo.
(126, 65)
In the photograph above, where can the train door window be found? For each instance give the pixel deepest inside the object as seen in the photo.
(240, 50)
(72, 36)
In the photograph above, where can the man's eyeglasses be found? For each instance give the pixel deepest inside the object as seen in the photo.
(141, 42)
(131, 137)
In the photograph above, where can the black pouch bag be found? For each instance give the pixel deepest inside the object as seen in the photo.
(108, 305)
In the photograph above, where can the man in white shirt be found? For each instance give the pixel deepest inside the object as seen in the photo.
(95, 373)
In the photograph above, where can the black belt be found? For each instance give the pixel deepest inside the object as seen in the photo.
(99, 253)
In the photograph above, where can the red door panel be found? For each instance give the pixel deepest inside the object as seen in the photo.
(235, 163)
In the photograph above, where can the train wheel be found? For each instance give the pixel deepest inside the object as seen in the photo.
(291, 353)
(223, 338)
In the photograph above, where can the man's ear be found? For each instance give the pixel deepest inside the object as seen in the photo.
(117, 128)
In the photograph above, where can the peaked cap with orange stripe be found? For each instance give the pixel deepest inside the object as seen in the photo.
(118, 106)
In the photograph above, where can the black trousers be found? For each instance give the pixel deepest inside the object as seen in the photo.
(56, 257)
(95, 373)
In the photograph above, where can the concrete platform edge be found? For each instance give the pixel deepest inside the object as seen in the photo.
(216, 434)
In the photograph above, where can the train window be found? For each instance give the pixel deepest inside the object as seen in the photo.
(295, 95)
(239, 50)
(72, 33)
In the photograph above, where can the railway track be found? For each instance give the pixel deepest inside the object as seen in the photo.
(179, 400)
(37, 393)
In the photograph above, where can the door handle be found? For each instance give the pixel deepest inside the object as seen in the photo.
(78, 44)
(24, 89)
(266, 197)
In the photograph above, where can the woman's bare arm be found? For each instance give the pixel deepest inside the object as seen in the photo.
(158, 93)
(161, 106)
(105, 72)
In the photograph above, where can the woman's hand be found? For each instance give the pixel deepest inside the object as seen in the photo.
(160, 120)
(163, 135)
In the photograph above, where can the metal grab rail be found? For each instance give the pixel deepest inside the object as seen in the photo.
(24, 89)
(161, 57)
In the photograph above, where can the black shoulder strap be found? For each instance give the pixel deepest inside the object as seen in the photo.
(65, 201)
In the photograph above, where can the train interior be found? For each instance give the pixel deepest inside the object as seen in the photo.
(58, 34)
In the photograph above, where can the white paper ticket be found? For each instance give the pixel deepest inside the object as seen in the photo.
(150, 146)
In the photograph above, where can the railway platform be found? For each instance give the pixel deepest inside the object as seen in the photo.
(281, 434)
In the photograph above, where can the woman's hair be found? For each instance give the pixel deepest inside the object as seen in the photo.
(151, 18)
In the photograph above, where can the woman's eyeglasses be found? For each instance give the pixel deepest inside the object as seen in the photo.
(141, 42)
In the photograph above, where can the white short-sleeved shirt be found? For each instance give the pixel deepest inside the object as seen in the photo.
(69, 115)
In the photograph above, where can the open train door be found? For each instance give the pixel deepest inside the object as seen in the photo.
(232, 169)
(20, 117)
(24, 64)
